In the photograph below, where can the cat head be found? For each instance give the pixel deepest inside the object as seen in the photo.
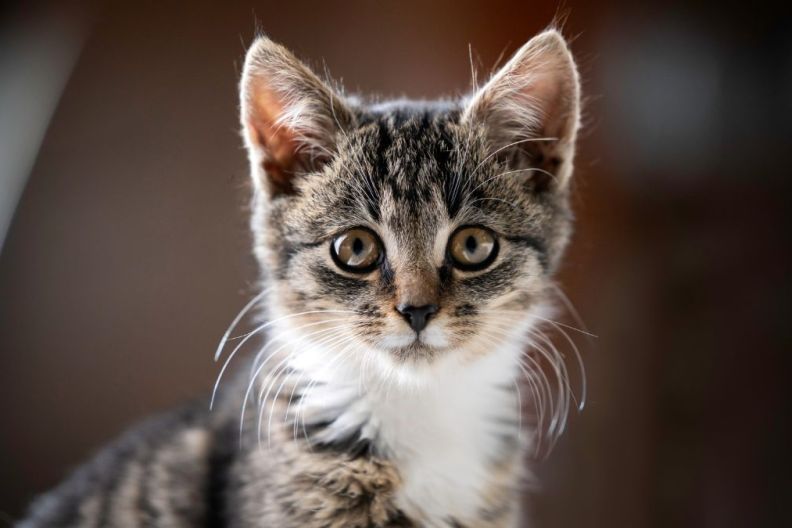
(410, 231)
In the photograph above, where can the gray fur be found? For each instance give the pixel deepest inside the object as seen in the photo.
(323, 163)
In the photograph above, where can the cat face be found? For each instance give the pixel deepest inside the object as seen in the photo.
(411, 231)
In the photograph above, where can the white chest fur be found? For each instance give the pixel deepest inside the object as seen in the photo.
(443, 431)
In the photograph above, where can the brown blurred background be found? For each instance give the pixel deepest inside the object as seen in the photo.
(128, 251)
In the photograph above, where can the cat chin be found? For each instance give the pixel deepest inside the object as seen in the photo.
(416, 353)
(418, 367)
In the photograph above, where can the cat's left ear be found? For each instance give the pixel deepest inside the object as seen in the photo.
(531, 109)
(291, 119)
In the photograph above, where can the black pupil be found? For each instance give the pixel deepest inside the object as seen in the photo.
(471, 243)
(357, 246)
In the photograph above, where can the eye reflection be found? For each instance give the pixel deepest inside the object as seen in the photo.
(357, 250)
(473, 248)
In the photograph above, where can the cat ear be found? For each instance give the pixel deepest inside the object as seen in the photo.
(535, 95)
(290, 117)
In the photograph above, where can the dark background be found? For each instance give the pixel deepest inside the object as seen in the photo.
(128, 253)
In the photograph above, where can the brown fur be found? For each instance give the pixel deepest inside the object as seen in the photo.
(411, 173)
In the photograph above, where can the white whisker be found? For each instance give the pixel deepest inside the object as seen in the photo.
(564, 390)
(289, 316)
(349, 343)
(237, 348)
(252, 382)
(506, 173)
(236, 320)
(262, 401)
(512, 144)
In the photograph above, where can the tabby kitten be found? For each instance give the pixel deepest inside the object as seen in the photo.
(406, 250)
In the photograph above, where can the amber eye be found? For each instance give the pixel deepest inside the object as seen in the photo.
(358, 250)
(472, 248)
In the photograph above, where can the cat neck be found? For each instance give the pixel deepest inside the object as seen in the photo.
(446, 426)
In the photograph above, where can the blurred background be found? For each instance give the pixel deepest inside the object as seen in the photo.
(123, 192)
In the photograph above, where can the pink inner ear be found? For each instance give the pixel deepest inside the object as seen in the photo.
(276, 141)
(533, 98)
(534, 93)
(290, 116)
(550, 91)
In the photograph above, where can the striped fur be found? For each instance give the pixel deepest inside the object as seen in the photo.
(348, 417)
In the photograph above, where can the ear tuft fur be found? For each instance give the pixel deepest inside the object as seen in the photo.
(290, 117)
(535, 95)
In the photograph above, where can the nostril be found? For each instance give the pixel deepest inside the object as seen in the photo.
(430, 310)
(417, 316)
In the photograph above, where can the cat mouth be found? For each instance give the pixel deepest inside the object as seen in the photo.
(419, 346)
(414, 345)
(416, 350)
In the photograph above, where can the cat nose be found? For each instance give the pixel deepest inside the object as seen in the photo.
(417, 316)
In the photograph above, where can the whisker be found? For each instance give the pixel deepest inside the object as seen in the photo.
(569, 306)
(539, 405)
(263, 400)
(558, 323)
(311, 386)
(559, 327)
(252, 381)
(537, 394)
(288, 332)
(501, 149)
(558, 404)
(275, 375)
(234, 352)
(270, 323)
(333, 341)
(299, 412)
(539, 386)
(564, 390)
(506, 173)
(236, 320)
(519, 410)
(529, 314)
(325, 333)
(581, 366)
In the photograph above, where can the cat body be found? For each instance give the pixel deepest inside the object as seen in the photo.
(407, 251)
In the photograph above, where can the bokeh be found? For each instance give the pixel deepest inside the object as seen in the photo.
(125, 249)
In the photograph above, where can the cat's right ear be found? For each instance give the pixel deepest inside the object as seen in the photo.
(290, 117)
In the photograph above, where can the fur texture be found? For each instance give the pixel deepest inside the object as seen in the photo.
(349, 416)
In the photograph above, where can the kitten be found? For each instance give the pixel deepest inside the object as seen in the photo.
(407, 250)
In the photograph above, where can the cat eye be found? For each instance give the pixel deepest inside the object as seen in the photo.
(357, 251)
(472, 248)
